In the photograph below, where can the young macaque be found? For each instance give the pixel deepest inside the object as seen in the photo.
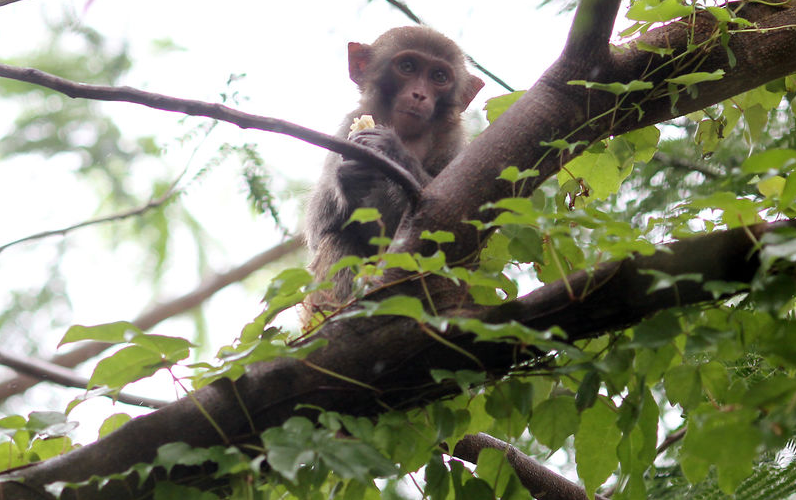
(415, 86)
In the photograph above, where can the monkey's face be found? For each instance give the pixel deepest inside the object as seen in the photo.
(422, 83)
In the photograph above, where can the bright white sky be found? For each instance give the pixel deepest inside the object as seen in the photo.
(294, 54)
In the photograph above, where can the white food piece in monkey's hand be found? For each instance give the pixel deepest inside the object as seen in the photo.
(364, 122)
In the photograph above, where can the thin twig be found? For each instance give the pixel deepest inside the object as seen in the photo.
(50, 372)
(162, 312)
(670, 440)
(414, 18)
(99, 220)
(391, 169)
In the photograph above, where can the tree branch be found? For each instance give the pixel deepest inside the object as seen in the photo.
(50, 372)
(159, 313)
(591, 30)
(389, 354)
(540, 481)
(349, 149)
(152, 203)
(552, 109)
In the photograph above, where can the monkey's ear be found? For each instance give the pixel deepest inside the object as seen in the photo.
(359, 55)
(471, 87)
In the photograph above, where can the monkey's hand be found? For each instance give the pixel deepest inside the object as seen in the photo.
(387, 141)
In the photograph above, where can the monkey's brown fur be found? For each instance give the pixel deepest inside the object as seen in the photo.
(414, 83)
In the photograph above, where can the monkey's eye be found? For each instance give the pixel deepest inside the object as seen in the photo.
(406, 66)
(439, 76)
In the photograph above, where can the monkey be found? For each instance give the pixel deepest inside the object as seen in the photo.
(414, 84)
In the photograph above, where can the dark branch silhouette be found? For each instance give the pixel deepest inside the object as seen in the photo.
(349, 149)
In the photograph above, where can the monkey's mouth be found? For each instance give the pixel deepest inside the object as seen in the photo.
(413, 114)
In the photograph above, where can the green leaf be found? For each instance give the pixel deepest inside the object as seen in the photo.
(603, 173)
(42, 449)
(477, 489)
(560, 145)
(715, 380)
(114, 333)
(683, 387)
(463, 378)
(363, 215)
(525, 243)
(403, 261)
(498, 105)
(438, 236)
(437, 478)
(788, 194)
(697, 77)
(637, 450)
(287, 282)
(351, 459)
(125, 366)
(495, 470)
(171, 349)
(661, 51)
(499, 403)
(287, 446)
(397, 305)
(617, 88)
(47, 424)
(554, 420)
(766, 393)
(720, 13)
(112, 423)
(771, 160)
(657, 11)
(595, 444)
(13, 422)
(179, 453)
(725, 439)
(737, 211)
(656, 331)
(588, 390)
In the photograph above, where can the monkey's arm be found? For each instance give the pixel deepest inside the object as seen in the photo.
(348, 184)
(386, 141)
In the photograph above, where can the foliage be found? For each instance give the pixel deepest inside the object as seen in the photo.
(723, 371)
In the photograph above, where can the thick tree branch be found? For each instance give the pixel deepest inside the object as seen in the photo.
(591, 30)
(391, 355)
(540, 481)
(352, 150)
(620, 290)
(161, 312)
(50, 372)
(552, 109)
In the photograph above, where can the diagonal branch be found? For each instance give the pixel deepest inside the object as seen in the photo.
(553, 109)
(352, 150)
(50, 372)
(152, 203)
